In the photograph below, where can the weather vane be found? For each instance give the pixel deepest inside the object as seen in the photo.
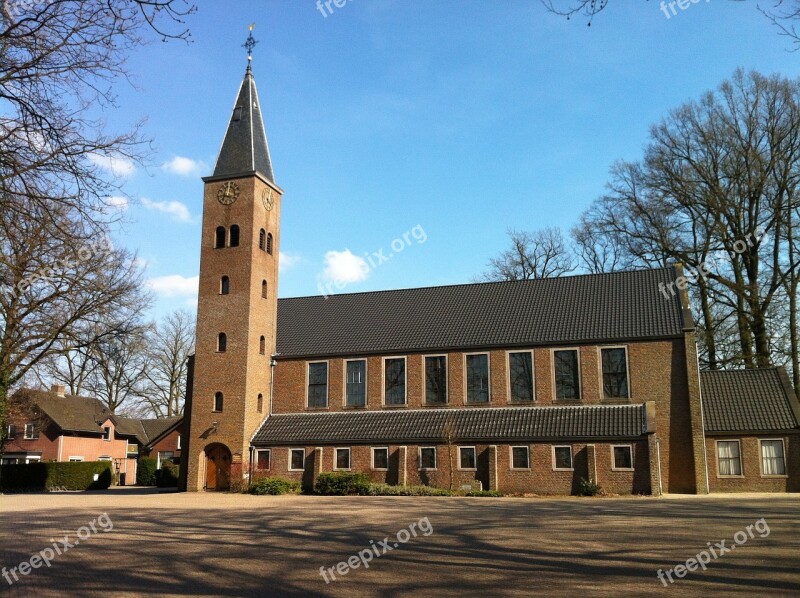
(250, 43)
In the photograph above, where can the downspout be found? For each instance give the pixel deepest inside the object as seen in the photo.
(702, 419)
(272, 364)
(658, 457)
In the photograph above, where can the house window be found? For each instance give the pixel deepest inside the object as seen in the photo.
(164, 457)
(427, 457)
(729, 459)
(262, 240)
(566, 373)
(31, 431)
(219, 399)
(269, 243)
(520, 377)
(262, 345)
(622, 457)
(478, 378)
(466, 457)
(436, 380)
(75, 459)
(394, 381)
(773, 461)
(235, 236)
(342, 458)
(107, 433)
(615, 373)
(318, 384)
(520, 457)
(263, 459)
(562, 458)
(356, 383)
(380, 458)
(225, 286)
(222, 342)
(260, 404)
(219, 237)
(263, 289)
(297, 459)
(105, 458)
(11, 432)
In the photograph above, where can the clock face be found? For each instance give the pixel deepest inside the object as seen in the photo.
(267, 199)
(228, 193)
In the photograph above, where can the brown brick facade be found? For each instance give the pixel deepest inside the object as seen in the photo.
(752, 478)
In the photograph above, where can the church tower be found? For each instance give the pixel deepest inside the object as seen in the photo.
(237, 305)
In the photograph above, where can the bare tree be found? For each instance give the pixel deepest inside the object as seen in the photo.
(538, 254)
(121, 363)
(170, 343)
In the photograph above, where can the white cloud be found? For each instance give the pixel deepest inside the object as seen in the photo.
(174, 285)
(176, 209)
(185, 166)
(117, 202)
(117, 165)
(344, 267)
(288, 261)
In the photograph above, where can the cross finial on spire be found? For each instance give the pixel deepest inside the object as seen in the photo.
(250, 43)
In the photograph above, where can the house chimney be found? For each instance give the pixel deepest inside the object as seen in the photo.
(59, 389)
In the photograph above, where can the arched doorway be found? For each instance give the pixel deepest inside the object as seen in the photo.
(218, 467)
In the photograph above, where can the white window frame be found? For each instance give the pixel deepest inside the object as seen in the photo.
(475, 458)
(511, 457)
(380, 448)
(270, 459)
(33, 459)
(105, 458)
(761, 459)
(435, 458)
(9, 434)
(508, 376)
(327, 383)
(488, 378)
(553, 374)
(600, 372)
(741, 461)
(109, 431)
(289, 465)
(405, 381)
(159, 462)
(178, 447)
(26, 436)
(366, 383)
(336, 458)
(613, 459)
(75, 459)
(571, 457)
(446, 380)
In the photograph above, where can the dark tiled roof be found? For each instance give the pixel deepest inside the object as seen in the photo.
(471, 424)
(569, 309)
(131, 427)
(748, 400)
(156, 427)
(71, 413)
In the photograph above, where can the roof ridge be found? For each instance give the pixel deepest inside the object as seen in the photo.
(460, 409)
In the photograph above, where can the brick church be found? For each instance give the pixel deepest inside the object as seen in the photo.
(525, 387)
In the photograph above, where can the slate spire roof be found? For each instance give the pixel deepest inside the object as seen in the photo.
(245, 150)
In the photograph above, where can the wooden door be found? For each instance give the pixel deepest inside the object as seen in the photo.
(218, 468)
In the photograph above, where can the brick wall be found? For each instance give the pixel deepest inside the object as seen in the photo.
(752, 479)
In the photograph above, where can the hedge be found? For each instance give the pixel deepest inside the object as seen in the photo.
(342, 484)
(167, 476)
(146, 471)
(274, 486)
(36, 477)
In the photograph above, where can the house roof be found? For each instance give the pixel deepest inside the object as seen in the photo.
(155, 428)
(569, 309)
(472, 424)
(749, 401)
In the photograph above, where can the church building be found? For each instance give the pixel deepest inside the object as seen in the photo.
(528, 387)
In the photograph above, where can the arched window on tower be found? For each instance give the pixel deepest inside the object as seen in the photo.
(269, 243)
(219, 238)
(263, 289)
(225, 286)
(219, 399)
(262, 347)
(262, 240)
(222, 342)
(260, 403)
(235, 235)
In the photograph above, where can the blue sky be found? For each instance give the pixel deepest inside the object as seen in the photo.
(452, 118)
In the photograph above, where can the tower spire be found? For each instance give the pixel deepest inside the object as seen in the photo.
(249, 44)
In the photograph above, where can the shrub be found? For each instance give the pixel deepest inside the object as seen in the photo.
(146, 471)
(489, 493)
(274, 486)
(342, 483)
(589, 488)
(167, 476)
(387, 490)
(36, 477)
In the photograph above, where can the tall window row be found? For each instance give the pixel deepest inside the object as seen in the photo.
(224, 237)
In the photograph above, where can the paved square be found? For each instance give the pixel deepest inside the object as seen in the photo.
(234, 545)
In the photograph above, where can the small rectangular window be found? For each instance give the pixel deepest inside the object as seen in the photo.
(263, 459)
(395, 381)
(520, 373)
(520, 457)
(478, 378)
(75, 459)
(107, 433)
(773, 461)
(567, 374)
(562, 458)
(297, 460)
(380, 458)
(318, 384)
(436, 380)
(11, 432)
(342, 458)
(427, 457)
(622, 457)
(729, 458)
(31, 431)
(164, 457)
(356, 383)
(466, 457)
(615, 373)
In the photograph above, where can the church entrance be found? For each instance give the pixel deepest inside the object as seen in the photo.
(218, 467)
